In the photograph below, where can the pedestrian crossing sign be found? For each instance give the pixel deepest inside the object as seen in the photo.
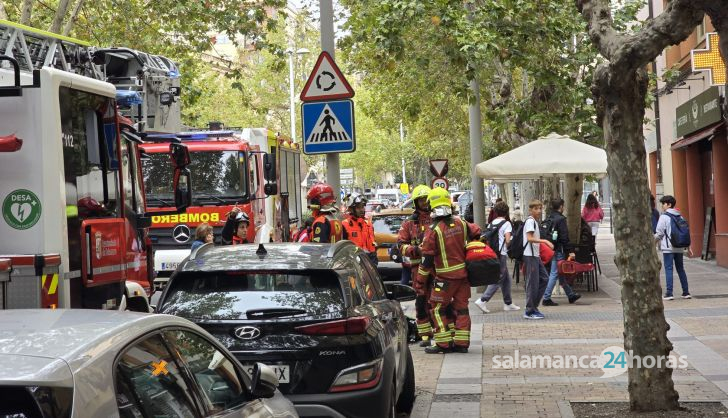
(328, 127)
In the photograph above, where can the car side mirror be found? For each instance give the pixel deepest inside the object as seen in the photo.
(182, 189)
(269, 167)
(400, 292)
(263, 381)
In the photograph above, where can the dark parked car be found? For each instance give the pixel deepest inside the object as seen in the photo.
(318, 314)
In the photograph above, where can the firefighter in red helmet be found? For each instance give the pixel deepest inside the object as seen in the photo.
(443, 251)
(357, 228)
(326, 227)
(409, 240)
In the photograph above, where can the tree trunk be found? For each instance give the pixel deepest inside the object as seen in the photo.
(26, 11)
(551, 188)
(528, 193)
(645, 329)
(72, 17)
(58, 18)
(3, 14)
(572, 204)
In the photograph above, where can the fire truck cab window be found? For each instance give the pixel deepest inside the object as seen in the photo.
(91, 180)
(218, 178)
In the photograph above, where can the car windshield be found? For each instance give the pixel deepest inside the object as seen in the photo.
(246, 295)
(388, 224)
(218, 177)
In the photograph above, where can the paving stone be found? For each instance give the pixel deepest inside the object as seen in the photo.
(470, 385)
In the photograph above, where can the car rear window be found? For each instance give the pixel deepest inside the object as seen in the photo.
(35, 402)
(389, 224)
(239, 295)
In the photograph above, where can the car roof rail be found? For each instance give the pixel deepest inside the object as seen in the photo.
(201, 249)
(337, 246)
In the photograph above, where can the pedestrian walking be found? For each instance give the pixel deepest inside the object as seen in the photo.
(559, 231)
(535, 273)
(443, 251)
(592, 213)
(504, 232)
(492, 215)
(674, 237)
(203, 235)
(409, 240)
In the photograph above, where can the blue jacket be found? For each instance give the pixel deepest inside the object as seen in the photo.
(196, 244)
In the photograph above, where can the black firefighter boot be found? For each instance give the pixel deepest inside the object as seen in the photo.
(436, 349)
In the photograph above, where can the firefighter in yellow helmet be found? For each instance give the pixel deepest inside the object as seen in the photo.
(443, 252)
(409, 240)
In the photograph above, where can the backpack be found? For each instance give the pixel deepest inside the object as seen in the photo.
(492, 237)
(516, 247)
(546, 229)
(679, 231)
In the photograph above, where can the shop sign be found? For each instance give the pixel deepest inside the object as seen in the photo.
(697, 113)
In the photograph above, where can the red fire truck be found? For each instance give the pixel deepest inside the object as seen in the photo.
(228, 168)
(74, 228)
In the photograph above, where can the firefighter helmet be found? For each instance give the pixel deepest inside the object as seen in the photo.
(321, 194)
(420, 191)
(355, 199)
(438, 197)
(242, 217)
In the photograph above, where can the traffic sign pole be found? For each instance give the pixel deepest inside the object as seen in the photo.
(328, 44)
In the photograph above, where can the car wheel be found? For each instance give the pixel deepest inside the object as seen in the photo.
(407, 398)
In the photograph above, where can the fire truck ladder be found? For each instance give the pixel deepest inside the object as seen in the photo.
(148, 86)
(34, 49)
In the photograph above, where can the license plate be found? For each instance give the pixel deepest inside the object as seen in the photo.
(170, 266)
(282, 371)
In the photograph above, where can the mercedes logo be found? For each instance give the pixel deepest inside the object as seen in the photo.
(247, 333)
(181, 234)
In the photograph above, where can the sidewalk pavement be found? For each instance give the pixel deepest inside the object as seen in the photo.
(467, 385)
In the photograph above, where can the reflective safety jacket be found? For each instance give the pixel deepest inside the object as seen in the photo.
(443, 248)
(326, 229)
(410, 236)
(360, 232)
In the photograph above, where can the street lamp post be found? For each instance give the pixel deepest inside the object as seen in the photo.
(291, 87)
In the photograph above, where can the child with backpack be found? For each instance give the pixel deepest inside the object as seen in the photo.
(526, 246)
(673, 234)
(498, 236)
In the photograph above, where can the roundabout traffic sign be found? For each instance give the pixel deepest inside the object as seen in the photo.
(440, 182)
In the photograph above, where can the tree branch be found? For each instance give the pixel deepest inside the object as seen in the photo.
(26, 11)
(72, 17)
(3, 15)
(671, 27)
(598, 17)
(58, 18)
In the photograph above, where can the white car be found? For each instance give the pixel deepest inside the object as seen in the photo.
(89, 363)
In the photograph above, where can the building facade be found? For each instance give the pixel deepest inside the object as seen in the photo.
(686, 143)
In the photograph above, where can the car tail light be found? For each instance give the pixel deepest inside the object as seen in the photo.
(355, 325)
(363, 376)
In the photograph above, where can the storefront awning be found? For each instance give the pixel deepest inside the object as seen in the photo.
(706, 133)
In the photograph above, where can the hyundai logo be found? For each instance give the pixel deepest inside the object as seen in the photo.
(247, 333)
(181, 233)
